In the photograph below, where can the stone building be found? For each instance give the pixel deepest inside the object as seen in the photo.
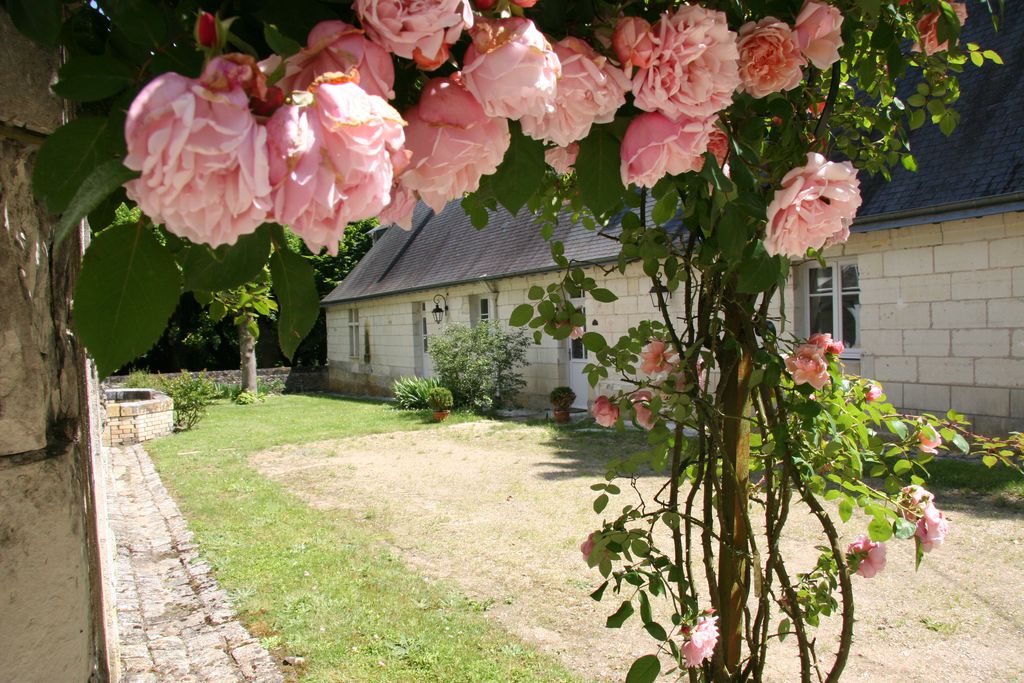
(928, 293)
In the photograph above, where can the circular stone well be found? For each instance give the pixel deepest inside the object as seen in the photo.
(135, 415)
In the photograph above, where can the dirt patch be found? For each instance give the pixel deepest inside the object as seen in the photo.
(500, 510)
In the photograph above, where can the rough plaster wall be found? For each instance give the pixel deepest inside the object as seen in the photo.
(49, 630)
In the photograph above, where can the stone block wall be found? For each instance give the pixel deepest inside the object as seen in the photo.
(296, 380)
(131, 422)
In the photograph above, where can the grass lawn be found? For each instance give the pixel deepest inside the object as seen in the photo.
(312, 582)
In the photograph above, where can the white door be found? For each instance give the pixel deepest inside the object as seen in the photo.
(577, 378)
(424, 366)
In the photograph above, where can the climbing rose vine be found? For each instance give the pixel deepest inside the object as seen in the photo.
(723, 139)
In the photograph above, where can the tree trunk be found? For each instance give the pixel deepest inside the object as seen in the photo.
(733, 565)
(53, 626)
(247, 351)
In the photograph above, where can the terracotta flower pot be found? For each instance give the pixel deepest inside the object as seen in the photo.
(441, 415)
(561, 415)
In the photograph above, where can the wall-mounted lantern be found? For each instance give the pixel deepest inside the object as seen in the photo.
(440, 313)
(666, 294)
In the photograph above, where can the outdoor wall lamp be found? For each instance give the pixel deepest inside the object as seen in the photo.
(665, 293)
(438, 312)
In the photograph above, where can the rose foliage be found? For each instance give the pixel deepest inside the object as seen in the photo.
(726, 138)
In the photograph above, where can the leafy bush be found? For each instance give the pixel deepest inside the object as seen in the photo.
(411, 392)
(440, 398)
(480, 364)
(247, 398)
(227, 390)
(562, 397)
(192, 395)
(269, 387)
(140, 379)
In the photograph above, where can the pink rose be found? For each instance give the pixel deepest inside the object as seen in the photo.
(202, 156)
(590, 91)
(718, 145)
(422, 30)
(562, 159)
(641, 406)
(695, 67)
(769, 58)
(334, 160)
(654, 145)
(453, 142)
(932, 528)
(824, 341)
(807, 364)
(700, 641)
(873, 393)
(818, 33)
(914, 500)
(657, 358)
(336, 47)
(928, 29)
(587, 547)
(400, 209)
(814, 207)
(605, 412)
(928, 440)
(868, 555)
(511, 69)
(633, 43)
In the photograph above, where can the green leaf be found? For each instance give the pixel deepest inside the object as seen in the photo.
(521, 171)
(784, 629)
(128, 289)
(903, 529)
(37, 19)
(600, 503)
(656, 630)
(760, 271)
(597, 171)
(644, 670)
(879, 529)
(521, 315)
(599, 593)
(605, 296)
(295, 290)
(88, 78)
(535, 293)
(280, 43)
(732, 234)
(68, 157)
(594, 342)
(845, 509)
(665, 208)
(902, 466)
(141, 21)
(960, 442)
(624, 612)
(989, 460)
(645, 609)
(103, 181)
(227, 267)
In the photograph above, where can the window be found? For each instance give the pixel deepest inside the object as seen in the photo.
(833, 302)
(480, 309)
(353, 333)
(484, 310)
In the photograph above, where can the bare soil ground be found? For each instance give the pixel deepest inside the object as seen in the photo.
(500, 511)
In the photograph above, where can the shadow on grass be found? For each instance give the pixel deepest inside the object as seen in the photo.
(579, 452)
(968, 484)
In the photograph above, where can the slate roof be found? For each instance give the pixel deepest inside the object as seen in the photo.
(980, 169)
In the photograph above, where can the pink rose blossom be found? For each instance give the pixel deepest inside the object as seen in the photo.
(807, 364)
(928, 29)
(511, 69)
(932, 528)
(421, 30)
(824, 341)
(914, 501)
(873, 393)
(641, 406)
(334, 161)
(400, 209)
(654, 145)
(814, 207)
(202, 156)
(870, 556)
(576, 333)
(590, 91)
(770, 61)
(718, 145)
(337, 47)
(928, 440)
(453, 142)
(633, 43)
(562, 159)
(818, 33)
(700, 641)
(587, 547)
(695, 67)
(657, 358)
(605, 412)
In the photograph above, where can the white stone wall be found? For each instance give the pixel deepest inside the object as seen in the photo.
(942, 316)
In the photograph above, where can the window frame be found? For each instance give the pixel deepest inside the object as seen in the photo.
(851, 353)
(354, 334)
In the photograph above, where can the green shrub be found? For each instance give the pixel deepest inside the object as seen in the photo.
(140, 379)
(440, 398)
(411, 392)
(562, 397)
(269, 387)
(192, 395)
(247, 398)
(481, 364)
(227, 390)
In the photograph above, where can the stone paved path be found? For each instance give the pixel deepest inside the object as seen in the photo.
(175, 623)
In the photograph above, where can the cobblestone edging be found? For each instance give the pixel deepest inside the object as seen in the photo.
(174, 622)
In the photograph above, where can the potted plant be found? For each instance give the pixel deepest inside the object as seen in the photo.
(440, 400)
(562, 399)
